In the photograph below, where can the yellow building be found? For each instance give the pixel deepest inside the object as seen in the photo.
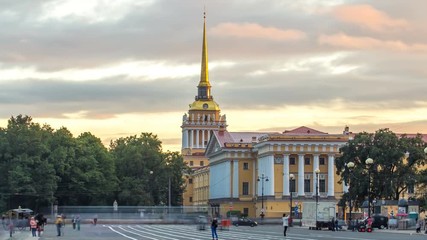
(254, 172)
(198, 124)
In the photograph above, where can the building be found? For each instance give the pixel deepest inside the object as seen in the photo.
(256, 173)
(198, 125)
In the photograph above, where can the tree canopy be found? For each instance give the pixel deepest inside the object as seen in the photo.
(396, 164)
(40, 165)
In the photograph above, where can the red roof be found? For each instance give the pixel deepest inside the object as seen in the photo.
(303, 130)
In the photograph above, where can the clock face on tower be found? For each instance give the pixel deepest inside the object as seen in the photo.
(278, 159)
(205, 106)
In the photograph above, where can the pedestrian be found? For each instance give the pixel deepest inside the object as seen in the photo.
(417, 227)
(285, 222)
(33, 226)
(336, 225)
(95, 219)
(73, 221)
(214, 226)
(78, 222)
(11, 227)
(332, 224)
(58, 223)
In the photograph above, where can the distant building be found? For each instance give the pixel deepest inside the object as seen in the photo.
(255, 172)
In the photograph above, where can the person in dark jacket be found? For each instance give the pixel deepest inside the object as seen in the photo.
(214, 225)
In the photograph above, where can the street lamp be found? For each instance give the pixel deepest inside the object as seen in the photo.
(317, 171)
(369, 163)
(291, 178)
(425, 150)
(350, 167)
(262, 178)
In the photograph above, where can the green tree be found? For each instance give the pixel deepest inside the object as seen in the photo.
(143, 171)
(27, 175)
(392, 170)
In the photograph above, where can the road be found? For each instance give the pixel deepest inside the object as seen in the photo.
(189, 232)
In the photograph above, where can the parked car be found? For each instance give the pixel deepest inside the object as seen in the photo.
(245, 222)
(379, 221)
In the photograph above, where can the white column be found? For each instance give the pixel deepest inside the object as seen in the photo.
(186, 138)
(236, 179)
(315, 166)
(203, 138)
(209, 135)
(191, 138)
(197, 138)
(301, 175)
(286, 175)
(331, 175)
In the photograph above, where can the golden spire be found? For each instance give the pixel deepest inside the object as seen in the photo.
(204, 85)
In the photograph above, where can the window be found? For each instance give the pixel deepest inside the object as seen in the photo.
(292, 185)
(245, 188)
(191, 199)
(322, 161)
(191, 163)
(307, 185)
(292, 161)
(245, 166)
(190, 181)
(307, 161)
(322, 185)
(202, 163)
(246, 211)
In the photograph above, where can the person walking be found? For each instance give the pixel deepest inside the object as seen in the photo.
(78, 222)
(11, 227)
(58, 223)
(73, 221)
(33, 226)
(285, 222)
(214, 226)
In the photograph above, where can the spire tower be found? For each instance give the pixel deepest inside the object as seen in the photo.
(204, 87)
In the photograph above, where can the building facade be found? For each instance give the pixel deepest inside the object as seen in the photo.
(203, 118)
(255, 173)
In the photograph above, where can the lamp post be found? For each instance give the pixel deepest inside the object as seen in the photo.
(317, 171)
(262, 178)
(291, 178)
(369, 163)
(350, 167)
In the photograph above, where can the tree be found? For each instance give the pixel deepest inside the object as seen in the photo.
(143, 171)
(27, 174)
(393, 169)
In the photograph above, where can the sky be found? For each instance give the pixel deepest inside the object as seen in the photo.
(120, 68)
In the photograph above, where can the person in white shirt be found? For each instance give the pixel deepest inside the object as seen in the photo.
(285, 220)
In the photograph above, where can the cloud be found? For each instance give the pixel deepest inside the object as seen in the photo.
(344, 40)
(253, 30)
(368, 17)
(91, 11)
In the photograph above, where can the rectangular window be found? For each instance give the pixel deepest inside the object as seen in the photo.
(307, 161)
(322, 186)
(190, 181)
(245, 188)
(307, 185)
(245, 166)
(202, 163)
(292, 161)
(191, 163)
(292, 186)
(245, 212)
(322, 161)
(191, 199)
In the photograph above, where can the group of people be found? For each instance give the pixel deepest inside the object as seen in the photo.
(60, 223)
